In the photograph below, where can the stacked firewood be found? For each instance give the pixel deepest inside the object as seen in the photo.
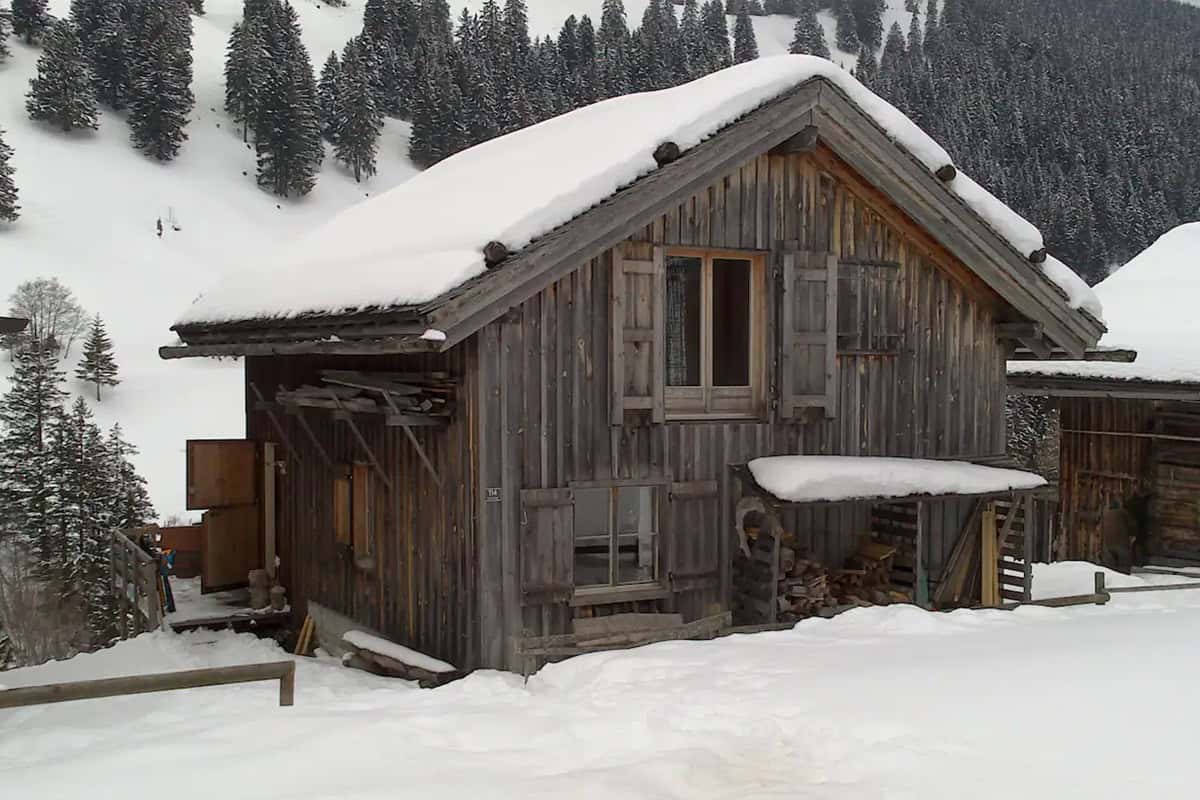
(809, 588)
(407, 396)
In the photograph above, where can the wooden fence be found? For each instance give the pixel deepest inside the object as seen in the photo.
(282, 671)
(135, 583)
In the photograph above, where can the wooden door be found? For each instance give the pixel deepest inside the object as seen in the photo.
(230, 547)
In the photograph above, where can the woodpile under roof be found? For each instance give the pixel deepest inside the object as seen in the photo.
(403, 398)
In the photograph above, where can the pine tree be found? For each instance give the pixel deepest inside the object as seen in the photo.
(62, 93)
(894, 51)
(931, 26)
(867, 70)
(29, 19)
(97, 365)
(246, 61)
(329, 96)
(4, 53)
(916, 44)
(612, 50)
(358, 122)
(868, 14)
(28, 413)
(129, 503)
(160, 92)
(589, 80)
(108, 49)
(9, 210)
(692, 39)
(809, 36)
(745, 45)
(714, 36)
(847, 28)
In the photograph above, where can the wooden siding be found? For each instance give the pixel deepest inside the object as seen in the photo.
(422, 590)
(543, 392)
(1123, 451)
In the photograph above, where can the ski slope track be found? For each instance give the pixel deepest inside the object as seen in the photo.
(89, 203)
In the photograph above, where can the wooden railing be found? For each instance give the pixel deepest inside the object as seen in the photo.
(135, 582)
(282, 671)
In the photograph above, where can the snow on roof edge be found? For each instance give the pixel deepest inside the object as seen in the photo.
(434, 255)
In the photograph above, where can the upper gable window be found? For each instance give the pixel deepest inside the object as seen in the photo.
(713, 320)
(688, 333)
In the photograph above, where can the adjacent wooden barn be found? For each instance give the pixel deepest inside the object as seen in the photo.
(482, 475)
(1129, 416)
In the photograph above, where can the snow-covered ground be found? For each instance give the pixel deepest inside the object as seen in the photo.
(1095, 702)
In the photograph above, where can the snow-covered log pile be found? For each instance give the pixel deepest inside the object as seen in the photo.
(419, 398)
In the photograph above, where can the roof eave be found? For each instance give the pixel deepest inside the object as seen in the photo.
(1066, 386)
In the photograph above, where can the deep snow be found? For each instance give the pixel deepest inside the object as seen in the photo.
(1150, 306)
(1042, 704)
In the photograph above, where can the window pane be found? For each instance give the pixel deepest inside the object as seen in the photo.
(637, 539)
(731, 322)
(591, 536)
(683, 321)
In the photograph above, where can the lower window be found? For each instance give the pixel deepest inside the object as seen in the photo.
(616, 536)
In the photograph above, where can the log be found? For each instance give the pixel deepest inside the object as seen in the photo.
(495, 254)
(1038, 256)
(666, 153)
(946, 173)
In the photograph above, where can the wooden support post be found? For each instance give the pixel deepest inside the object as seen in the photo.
(348, 418)
(988, 577)
(1102, 595)
(263, 405)
(268, 507)
(1032, 520)
(920, 576)
(298, 413)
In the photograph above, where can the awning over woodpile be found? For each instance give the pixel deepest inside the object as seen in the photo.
(833, 479)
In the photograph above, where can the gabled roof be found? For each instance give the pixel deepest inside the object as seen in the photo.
(1151, 308)
(544, 200)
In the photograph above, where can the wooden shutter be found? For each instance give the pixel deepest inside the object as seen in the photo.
(229, 547)
(221, 473)
(342, 520)
(360, 514)
(638, 370)
(693, 528)
(547, 546)
(808, 333)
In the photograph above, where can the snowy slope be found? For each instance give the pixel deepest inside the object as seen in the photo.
(1150, 306)
(1044, 704)
(89, 205)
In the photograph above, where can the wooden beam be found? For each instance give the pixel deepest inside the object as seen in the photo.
(495, 254)
(1016, 331)
(261, 404)
(399, 346)
(667, 153)
(1038, 346)
(348, 418)
(803, 142)
(1112, 356)
(298, 413)
(946, 173)
(282, 671)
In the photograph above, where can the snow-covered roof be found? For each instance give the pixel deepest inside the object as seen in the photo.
(1150, 306)
(810, 479)
(425, 237)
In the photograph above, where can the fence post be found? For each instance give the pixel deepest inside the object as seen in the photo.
(287, 685)
(1102, 595)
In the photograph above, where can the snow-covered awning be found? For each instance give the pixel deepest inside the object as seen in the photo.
(833, 479)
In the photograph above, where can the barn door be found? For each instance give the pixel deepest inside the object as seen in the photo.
(694, 534)
(637, 331)
(223, 477)
(547, 546)
(808, 333)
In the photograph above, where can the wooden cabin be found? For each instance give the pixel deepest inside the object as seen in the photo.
(1129, 415)
(551, 440)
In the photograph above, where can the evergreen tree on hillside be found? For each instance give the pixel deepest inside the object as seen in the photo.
(245, 72)
(847, 28)
(30, 19)
(9, 210)
(62, 93)
(931, 26)
(714, 35)
(27, 481)
(916, 44)
(329, 99)
(160, 91)
(868, 14)
(894, 50)
(809, 37)
(438, 124)
(612, 50)
(108, 49)
(589, 78)
(745, 46)
(358, 122)
(97, 365)
(4, 53)
(691, 36)
(653, 69)
(129, 503)
(867, 70)
(287, 129)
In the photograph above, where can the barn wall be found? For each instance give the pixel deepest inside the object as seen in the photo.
(1155, 473)
(422, 592)
(544, 385)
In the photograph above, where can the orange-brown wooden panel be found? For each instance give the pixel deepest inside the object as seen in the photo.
(361, 515)
(341, 511)
(230, 547)
(221, 473)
